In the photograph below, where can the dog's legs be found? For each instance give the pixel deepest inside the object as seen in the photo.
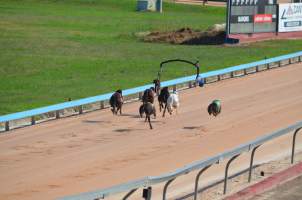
(150, 122)
(154, 113)
(165, 110)
(169, 110)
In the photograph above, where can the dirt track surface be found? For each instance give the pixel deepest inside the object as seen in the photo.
(98, 150)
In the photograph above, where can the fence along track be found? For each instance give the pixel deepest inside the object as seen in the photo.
(31, 117)
(202, 164)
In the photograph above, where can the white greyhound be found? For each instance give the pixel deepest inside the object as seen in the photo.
(173, 102)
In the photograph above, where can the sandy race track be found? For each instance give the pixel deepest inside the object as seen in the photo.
(98, 150)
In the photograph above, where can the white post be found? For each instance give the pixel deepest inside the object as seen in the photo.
(161, 6)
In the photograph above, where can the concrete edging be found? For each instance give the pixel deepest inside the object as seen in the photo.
(268, 183)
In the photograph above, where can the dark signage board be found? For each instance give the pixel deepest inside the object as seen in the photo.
(252, 16)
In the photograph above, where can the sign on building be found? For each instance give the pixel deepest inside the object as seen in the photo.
(290, 17)
(252, 16)
(149, 5)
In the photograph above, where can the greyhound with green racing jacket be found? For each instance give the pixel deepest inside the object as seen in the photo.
(215, 107)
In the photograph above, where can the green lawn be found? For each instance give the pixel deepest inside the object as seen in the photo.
(51, 50)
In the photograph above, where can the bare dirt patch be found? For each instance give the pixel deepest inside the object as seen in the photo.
(188, 36)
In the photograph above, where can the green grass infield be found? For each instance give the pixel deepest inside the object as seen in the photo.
(52, 50)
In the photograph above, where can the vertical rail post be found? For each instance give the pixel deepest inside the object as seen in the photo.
(218, 78)
(294, 144)
(129, 194)
(7, 126)
(174, 88)
(251, 163)
(226, 173)
(140, 95)
(166, 188)
(300, 59)
(57, 114)
(33, 120)
(257, 68)
(102, 105)
(197, 180)
(190, 84)
(80, 109)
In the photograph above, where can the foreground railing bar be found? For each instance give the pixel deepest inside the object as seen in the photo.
(166, 188)
(129, 194)
(294, 144)
(275, 134)
(226, 173)
(252, 162)
(102, 193)
(197, 180)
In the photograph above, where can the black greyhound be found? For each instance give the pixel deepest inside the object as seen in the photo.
(163, 98)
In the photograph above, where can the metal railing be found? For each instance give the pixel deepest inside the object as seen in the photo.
(202, 165)
(189, 80)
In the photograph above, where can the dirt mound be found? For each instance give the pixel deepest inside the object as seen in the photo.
(187, 36)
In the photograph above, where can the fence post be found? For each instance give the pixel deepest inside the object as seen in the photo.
(226, 173)
(33, 120)
(290, 61)
(7, 126)
(218, 78)
(140, 95)
(245, 72)
(174, 88)
(257, 68)
(190, 84)
(129, 194)
(197, 180)
(294, 144)
(251, 162)
(102, 105)
(300, 59)
(57, 114)
(166, 188)
(232, 74)
(81, 109)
